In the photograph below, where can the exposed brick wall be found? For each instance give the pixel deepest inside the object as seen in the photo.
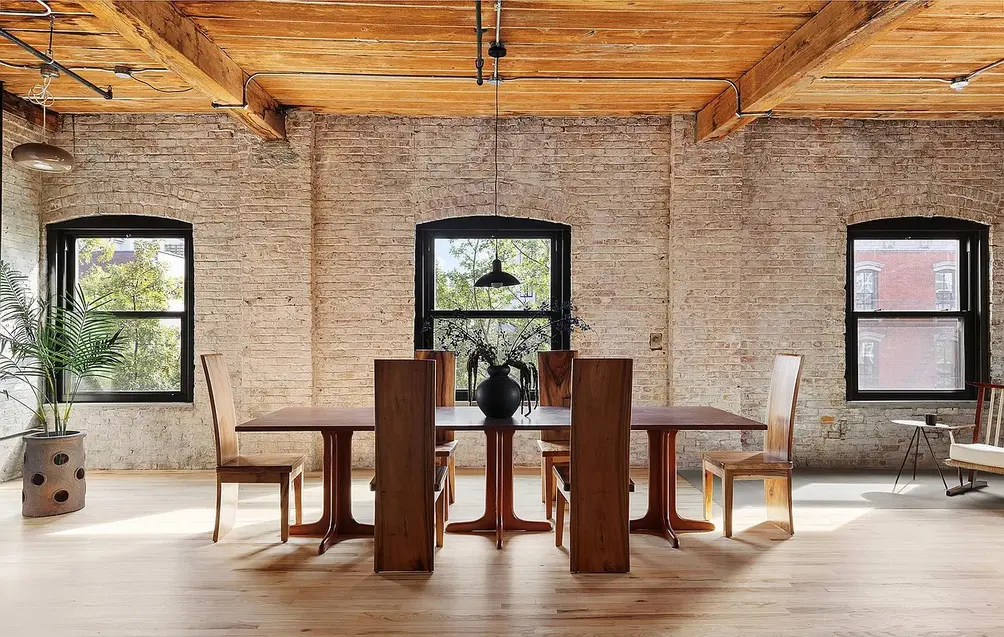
(735, 249)
(776, 200)
(19, 246)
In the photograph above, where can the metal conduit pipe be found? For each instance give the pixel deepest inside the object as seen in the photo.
(518, 78)
(479, 62)
(44, 13)
(107, 94)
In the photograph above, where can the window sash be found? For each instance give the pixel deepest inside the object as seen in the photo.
(62, 271)
(487, 228)
(972, 281)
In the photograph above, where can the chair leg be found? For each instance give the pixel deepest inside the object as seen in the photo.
(543, 478)
(441, 507)
(791, 513)
(550, 486)
(727, 484)
(226, 507)
(709, 486)
(452, 483)
(298, 497)
(559, 519)
(284, 508)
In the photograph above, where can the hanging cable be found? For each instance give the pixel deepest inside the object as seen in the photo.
(479, 62)
(44, 13)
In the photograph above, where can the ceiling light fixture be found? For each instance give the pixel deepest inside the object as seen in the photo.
(42, 156)
(497, 277)
(959, 83)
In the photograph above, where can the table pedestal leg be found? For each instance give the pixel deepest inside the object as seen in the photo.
(500, 515)
(510, 521)
(489, 521)
(656, 519)
(321, 526)
(342, 525)
(677, 521)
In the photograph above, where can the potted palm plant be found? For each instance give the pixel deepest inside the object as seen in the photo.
(44, 342)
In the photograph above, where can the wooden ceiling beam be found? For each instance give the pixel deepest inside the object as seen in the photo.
(839, 31)
(167, 35)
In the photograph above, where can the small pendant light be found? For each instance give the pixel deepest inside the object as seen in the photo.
(43, 157)
(497, 277)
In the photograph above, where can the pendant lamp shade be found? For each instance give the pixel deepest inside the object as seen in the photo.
(43, 157)
(497, 278)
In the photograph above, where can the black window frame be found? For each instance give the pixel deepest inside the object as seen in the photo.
(973, 277)
(61, 272)
(426, 234)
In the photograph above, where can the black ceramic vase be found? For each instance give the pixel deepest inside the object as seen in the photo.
(498, 396)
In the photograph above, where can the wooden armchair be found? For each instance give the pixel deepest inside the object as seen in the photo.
(234, 469)
(554, 389)
(985, 452)
(446, 396)
(774, 464)
(595, 483)
(411, 497)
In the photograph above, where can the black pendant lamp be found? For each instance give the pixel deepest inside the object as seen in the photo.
(497, 277)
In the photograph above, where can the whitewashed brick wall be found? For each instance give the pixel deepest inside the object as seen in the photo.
(19, 246)
(735, 250)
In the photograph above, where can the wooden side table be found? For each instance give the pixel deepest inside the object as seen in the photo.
(920, 428)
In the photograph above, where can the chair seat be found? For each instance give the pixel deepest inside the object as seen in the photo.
(978, 453)
(563, 471)
(269, 461)
(746, 461)
(437, 481)
(548, 448)
(446, 449)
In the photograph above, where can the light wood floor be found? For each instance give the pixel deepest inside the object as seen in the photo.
(139, 562)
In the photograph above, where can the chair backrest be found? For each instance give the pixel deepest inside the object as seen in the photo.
(989, 414)
(781, 400)
(404, 529)
(554, 385)
(446, 374)
(446, 383)
(221, 399)
(600, 439)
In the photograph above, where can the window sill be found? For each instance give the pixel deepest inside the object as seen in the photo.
(166, 404)
(911, 403)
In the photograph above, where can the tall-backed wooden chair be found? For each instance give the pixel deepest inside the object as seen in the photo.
(410, 489)
(985, 452)
(234, 469)
(446, 396)
(774, 464)
(595, 483)
(554, 389)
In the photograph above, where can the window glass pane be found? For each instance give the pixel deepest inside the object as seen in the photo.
(460, 262)
(910, 354)
(133, 274)
(152, 350)
(906, 275)
(495, 331)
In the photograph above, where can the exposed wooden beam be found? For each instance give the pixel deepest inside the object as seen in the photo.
(30, 112)
(840, 30)
(161, 30)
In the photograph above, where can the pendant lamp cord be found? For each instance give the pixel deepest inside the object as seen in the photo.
(496, 164)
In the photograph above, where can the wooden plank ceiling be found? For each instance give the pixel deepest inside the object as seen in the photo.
(545, 38)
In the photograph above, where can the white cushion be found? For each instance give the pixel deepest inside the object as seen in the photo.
(977, 453)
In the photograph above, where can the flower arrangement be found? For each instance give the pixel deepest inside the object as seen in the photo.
(507, 342)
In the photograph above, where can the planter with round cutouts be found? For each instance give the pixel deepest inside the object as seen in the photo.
(53, 474)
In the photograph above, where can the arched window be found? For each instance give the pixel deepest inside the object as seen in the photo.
(451, 254)
(142, 267)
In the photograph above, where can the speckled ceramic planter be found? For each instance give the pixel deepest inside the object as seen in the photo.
(53, 475)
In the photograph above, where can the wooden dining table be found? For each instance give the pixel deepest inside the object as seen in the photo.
(338, 424)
